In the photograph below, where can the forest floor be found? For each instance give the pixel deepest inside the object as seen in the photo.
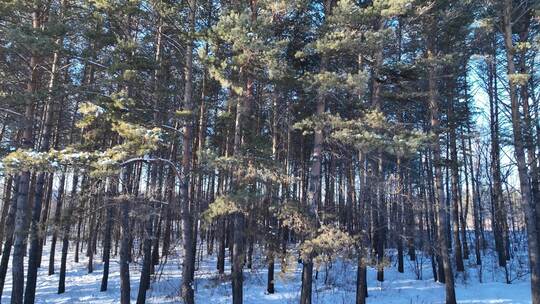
(405, 288)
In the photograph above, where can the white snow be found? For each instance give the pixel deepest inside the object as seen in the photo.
(82, 287)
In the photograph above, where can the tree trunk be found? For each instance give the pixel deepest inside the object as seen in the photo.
(92, 233)
(34, 254)
(144, 283)
(455, 186)
(20, 233)
(65, 238)
(361, 282)
(221, 247)
(496, 197)
(9, 228)
(107, 244)
(439, 192)
(188, 267)
(8, 187)
(519, 151)
(307, 279)
(313, 195)
(57, 213)
(125, 288)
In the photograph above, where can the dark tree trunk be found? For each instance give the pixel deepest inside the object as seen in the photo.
(496, 189)
(45, 215)
(125, 288)
(455, 187)
(9, 228)
(221, 246)
(270, 279)
(238, 258)
(21, 233)
(57, 213)
(155, 244)
(92, 233)
(188, 266)
(107, 246)
(144, 284)
(307, 279)
(439, 192)
(65, 238)
(34, 253)
(314, 183)
(361, 281)
(78, 239)
(361, 275)
(6, 205)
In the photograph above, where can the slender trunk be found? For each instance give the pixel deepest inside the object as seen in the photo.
(155, 243)
(144, 284)
(167, 215)
(455, 187)
(397, 206)
(273, 193)
(221, 247)
(107, 244)
(125, 288)
(464, 212)
(519, 151)
(6, 205)
(528, 127)
(20, 233)
(45, 216)
(34, 254)
(92, 233)
(78, 239)
(188, 267)
(65, 238)
(9, 228)
(57, 212)
(270, 279)
(439, 192)
(313, 195)
(496, 197)
(380, 205)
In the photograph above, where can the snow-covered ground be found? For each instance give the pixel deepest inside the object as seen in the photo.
(405, 288)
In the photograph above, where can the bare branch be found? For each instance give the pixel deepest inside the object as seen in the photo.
(11, 112)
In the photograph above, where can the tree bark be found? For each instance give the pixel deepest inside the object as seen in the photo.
(455, 186)
(439, 192)
(9, 228)
(34, 254)
(125, 288)
(188, 266)
(144, 283)
(519, 152)
(496, 196)
(66, 232)
(313, 195)
(20, 233)
(57, 213)
(107, 242)
(8, 187)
